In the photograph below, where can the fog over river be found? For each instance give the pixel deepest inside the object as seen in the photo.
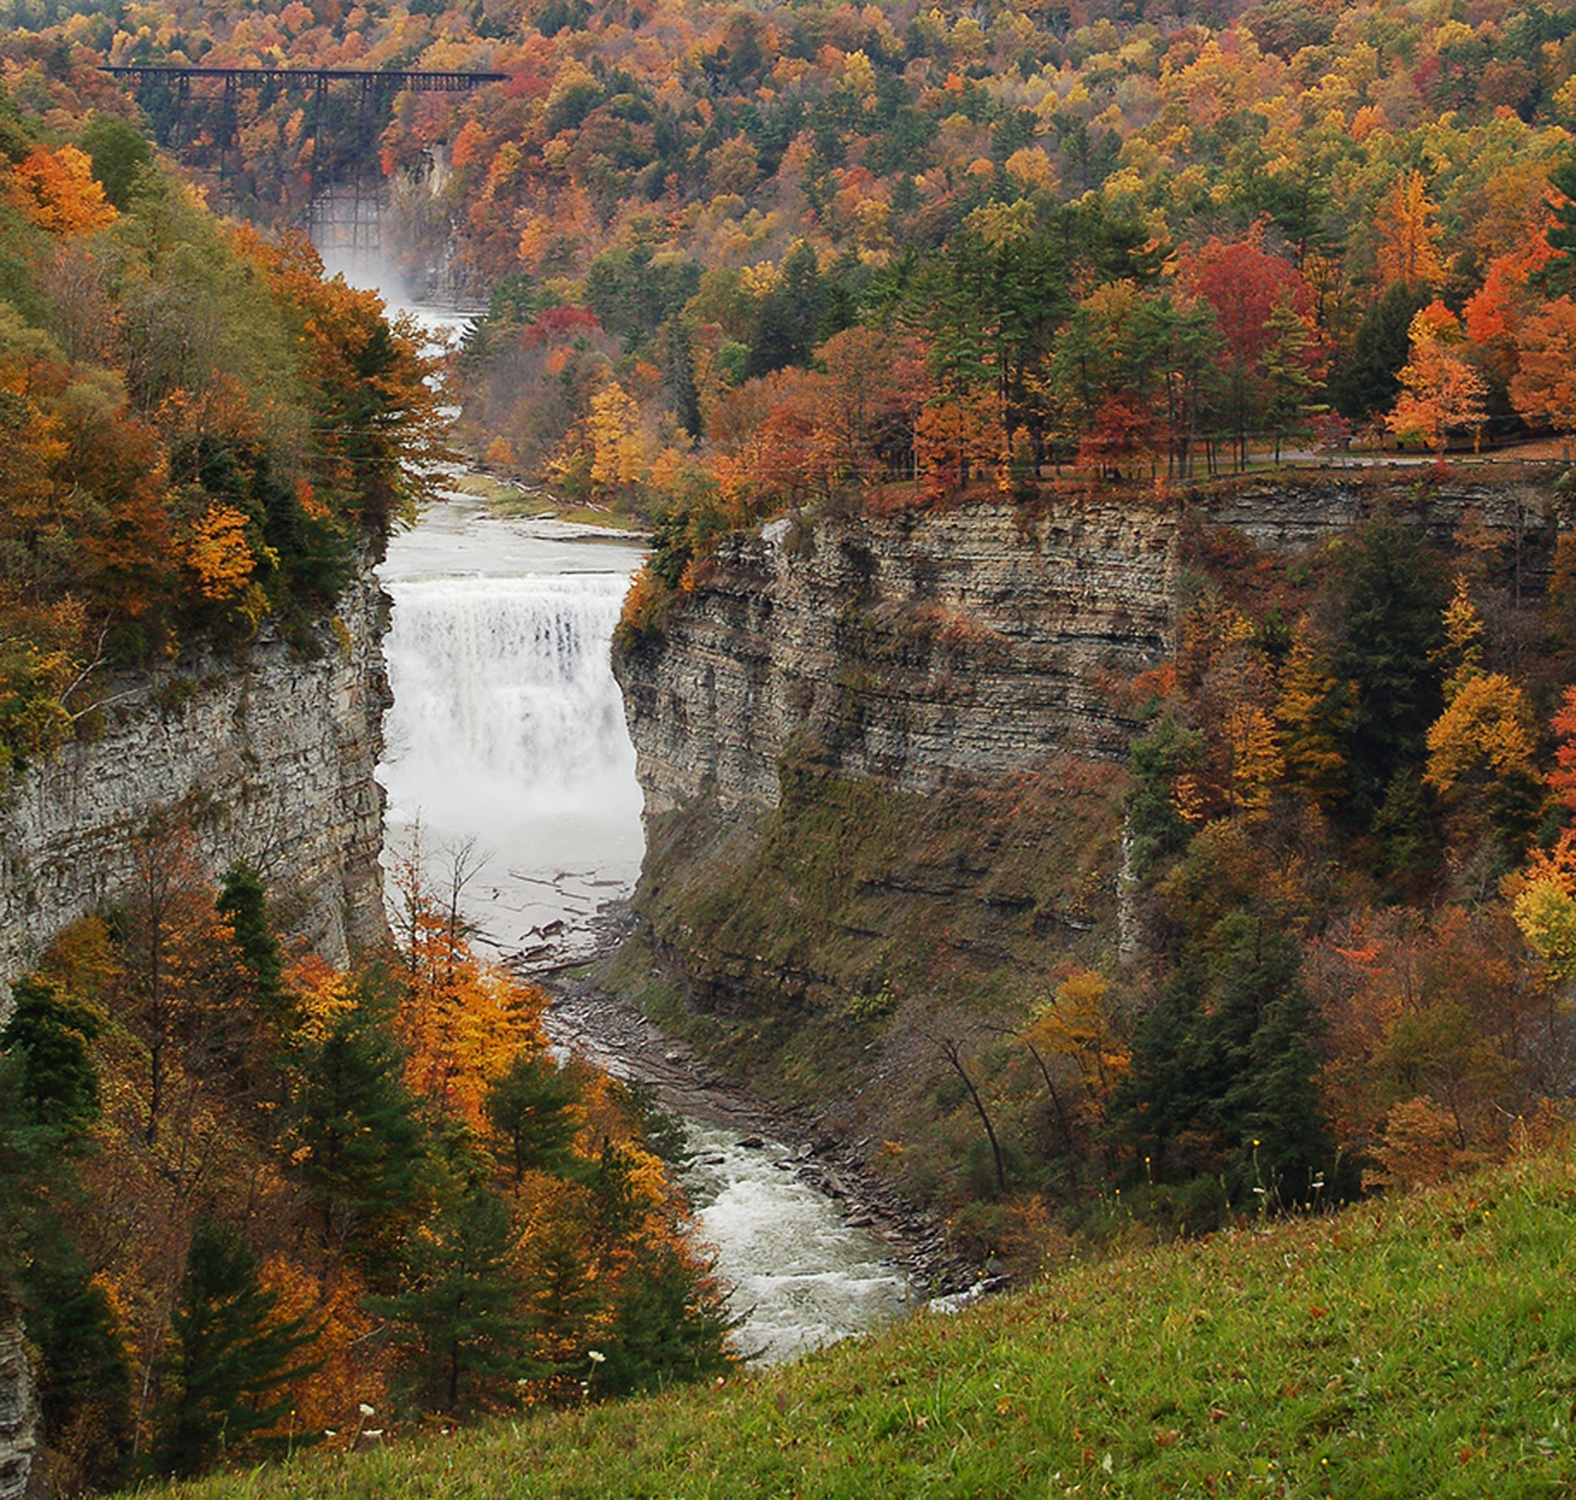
(507, 738)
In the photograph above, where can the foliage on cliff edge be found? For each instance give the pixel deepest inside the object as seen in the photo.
(198, 434)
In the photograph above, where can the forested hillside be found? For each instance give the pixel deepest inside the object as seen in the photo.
(251, 1205)
(197, 434)
(1082, 232)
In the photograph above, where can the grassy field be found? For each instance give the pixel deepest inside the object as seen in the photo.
(1421, 1346)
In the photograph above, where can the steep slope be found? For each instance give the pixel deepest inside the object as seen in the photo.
(1266, 1361)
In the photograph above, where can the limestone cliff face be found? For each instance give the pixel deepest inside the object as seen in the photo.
(268, 758)
(925, 650)
(919, 651)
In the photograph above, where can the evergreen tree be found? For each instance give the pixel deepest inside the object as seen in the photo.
(52, 1036)
(1557, 277)
(789, 320)
(533, 1109)
(1155, 828)
(48, 1099)
(671, 1327)
(1391, 600)
(1224, 1074)
(1368, 379)
(243, 899)
(356, 1123)
(459, 1322)
(84, 1379)
(231, 1356)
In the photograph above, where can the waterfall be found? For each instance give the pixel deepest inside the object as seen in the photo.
(510, 710)
(507, 727)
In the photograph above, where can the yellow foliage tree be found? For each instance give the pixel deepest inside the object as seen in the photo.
(1484, 734)
(618, 446)
(1440, 390)
(1256, 763)
(1408, 247)
(219, 553)
(1546, 915)
(1073, 1036)
(1313, 710)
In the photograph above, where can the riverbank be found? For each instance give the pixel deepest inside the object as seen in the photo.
(610, 1030)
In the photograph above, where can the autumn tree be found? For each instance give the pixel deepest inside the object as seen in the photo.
(1407, 235)
(1247, 288)
(1314, 710)
(1441, 392)
(1543, 388)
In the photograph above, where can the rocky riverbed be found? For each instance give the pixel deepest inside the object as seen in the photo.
(611, 1031)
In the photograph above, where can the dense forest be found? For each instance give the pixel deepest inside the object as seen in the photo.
(200, 435)
(737, 256)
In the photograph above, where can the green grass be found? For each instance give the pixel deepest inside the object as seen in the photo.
(1421, 1346)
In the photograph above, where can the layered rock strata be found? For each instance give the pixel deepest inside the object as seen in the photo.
(930, 648)
(918, 651)
(266, 757)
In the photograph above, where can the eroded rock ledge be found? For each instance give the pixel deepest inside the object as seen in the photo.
(268, 757)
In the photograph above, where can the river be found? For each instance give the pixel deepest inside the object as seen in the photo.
(506, 747)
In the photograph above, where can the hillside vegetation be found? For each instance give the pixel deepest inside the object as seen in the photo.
(1420, 1346)
(199, 436)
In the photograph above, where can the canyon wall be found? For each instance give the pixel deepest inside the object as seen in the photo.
(267, 756)
(917, 651)
(884, 758)
(935, 647)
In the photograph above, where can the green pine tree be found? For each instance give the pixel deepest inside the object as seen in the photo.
(458, 1321)
(363, 1147)
(231, 1357)
(84, 1379)
(244, 900)
(533, 1108)
(671, 1327)
(1557, 277)
(48, 1100)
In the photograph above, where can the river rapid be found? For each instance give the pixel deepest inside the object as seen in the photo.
(509, 763)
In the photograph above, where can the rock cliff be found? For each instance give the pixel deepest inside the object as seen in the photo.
(268, 757)
(918, 651)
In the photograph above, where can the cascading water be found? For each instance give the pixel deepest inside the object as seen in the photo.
(508, 729)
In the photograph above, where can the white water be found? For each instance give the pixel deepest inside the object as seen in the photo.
(804, 1278)
(507, 727)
